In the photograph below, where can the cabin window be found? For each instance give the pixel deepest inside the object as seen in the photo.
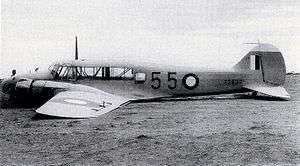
(67, 72)
(53, 68)
(105, 73)
(121, 72)
(88, 71)
(140, 77)
(63, 72)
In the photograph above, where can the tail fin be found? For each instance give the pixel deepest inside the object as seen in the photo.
(267, 59)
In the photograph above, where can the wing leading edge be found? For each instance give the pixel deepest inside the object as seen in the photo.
(81, 104)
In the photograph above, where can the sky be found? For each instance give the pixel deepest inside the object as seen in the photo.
(204, 33)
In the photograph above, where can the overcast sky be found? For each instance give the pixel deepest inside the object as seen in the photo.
(206, 33)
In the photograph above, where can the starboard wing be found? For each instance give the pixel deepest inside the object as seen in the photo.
(271, 90)
(81, 104)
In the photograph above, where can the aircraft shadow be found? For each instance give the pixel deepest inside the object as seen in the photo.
(206, 98)
(38, 117)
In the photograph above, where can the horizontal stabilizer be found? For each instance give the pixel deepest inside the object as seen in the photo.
(271, 90)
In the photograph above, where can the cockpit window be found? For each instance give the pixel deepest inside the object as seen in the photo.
(105, 73)
(53, 68)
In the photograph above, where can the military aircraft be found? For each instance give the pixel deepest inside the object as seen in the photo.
(85, 89)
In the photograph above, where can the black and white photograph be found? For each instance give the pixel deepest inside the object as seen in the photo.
(150, 82)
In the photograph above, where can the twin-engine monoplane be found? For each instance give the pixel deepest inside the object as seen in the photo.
(84, 89)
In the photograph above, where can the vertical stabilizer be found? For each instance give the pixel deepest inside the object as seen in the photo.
(267, 59)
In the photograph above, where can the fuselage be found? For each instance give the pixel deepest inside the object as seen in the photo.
(172, 84)
(147, 82)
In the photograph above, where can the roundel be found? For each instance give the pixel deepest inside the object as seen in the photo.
(190, 81)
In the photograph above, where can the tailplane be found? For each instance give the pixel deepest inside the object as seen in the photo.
(270, 90)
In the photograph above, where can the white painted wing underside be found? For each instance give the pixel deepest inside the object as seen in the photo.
(271, 90)
(79, 104)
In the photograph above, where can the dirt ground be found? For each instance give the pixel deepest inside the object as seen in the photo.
(208, 131)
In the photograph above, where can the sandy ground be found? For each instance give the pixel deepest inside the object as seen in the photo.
(227, 131)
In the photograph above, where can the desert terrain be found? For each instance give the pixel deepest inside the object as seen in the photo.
(215, 130)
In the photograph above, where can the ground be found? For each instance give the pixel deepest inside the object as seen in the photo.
(218, 130)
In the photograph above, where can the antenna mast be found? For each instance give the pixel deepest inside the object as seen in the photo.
(76, 49)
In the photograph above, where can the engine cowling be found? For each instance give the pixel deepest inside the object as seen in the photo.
(8, 86)
(23, 87)
(23, 92)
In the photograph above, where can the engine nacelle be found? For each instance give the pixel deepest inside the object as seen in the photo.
(27, 92)
(23, 87)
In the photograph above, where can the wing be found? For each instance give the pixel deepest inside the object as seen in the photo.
(271, 90)
(81, 104)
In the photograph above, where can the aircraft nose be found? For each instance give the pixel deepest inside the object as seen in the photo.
(8, 86)
(7, 89)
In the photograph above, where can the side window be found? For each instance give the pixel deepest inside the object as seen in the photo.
(89, 71)
(63, 71)
(140, 78)
(68, 72)
(121, 73)
(55, 70)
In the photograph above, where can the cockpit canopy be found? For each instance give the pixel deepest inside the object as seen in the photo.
(70, 71)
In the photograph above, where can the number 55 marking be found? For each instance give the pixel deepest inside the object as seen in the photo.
(173, 79)
(156, 79)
